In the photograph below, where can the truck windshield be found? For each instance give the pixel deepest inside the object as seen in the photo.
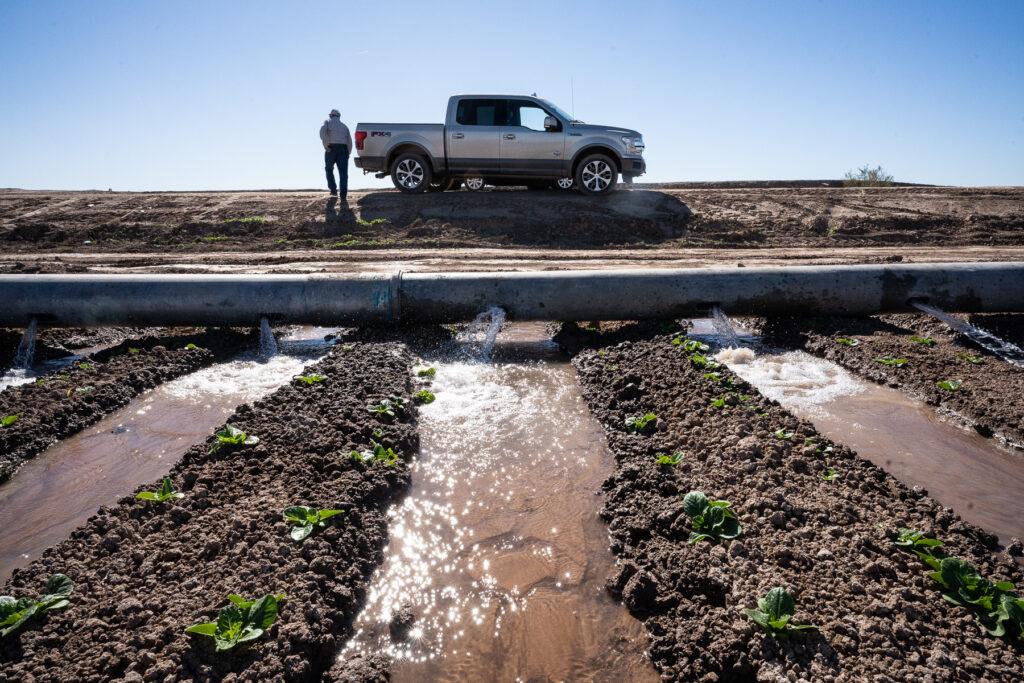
(558, 112)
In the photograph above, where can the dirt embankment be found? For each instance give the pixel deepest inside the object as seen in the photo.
(989, 393)
(144, 572)
(61, 404)
(829, 542)
(641, 217)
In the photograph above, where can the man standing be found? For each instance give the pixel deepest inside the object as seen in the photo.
(337, 145)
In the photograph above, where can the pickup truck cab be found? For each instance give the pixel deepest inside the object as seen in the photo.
(500, 140)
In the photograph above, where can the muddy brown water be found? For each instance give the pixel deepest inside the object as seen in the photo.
(962, 470)
(498, 549)
(61, 488)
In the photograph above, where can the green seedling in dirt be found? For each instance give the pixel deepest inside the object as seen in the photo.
(310, 379)
(79, 390)
(949, 385)
(191, 347)
(133, 351)
(247, 219)
(640, 423)
(426, 372)
(783, 434)
(665, 460)
(241, 621)
(718, 402)
(717, 377)
(971, 358)
(378, 433)
(373, 221)
(919, 544)
(233, 436)
(307, 520)
(774, 612)
(847, 341)
(164, 494)
(84, 366)
(996, 603)
(424, 396)
(378, 453)
(923, 341)
(829, 474)
(8, 420)
(14, 613)
(712, 519)
(347, 347)
(701, 361)
(890, 360)
(387, 407)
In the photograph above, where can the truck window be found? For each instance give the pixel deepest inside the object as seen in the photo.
(526, 114)
(477, 113)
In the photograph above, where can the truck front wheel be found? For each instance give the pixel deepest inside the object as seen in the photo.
(596, 174)
(410, 173)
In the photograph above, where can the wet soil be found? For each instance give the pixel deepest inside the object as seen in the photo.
(144, 571)
(59, 405)
(831, 543)
(990, 398)
(649, 217)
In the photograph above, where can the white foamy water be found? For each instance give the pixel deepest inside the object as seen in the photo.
(796, 379)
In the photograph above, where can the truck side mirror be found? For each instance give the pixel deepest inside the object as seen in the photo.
(551, 124)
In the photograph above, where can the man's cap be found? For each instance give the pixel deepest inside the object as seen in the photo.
(335, 112)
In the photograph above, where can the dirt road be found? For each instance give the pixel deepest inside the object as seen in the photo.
(658, 218)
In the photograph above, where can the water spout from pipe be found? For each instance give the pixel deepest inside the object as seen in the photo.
(26, 348)
(268, 344)
(724, 329)
(483, 331)
(1009, 352)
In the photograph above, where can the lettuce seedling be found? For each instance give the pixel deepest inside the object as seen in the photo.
(965, 587)
(233, 436)
(164, 494)
(890, 360)
(712, 519)
(774, 612)
(829, 474)
(971, 358)
(14, 613)
(691, 345)
(923, 341)
(426, 372)
(132, 350)
(191, 347)
(378, 452)
(949, 385)
(919, 544)
(718, 402)
(668, 460)
(642, 422)
(424, 396)
(239, 622)
(388, 406)
(310, 379)
(307, 519)
(1010, 610)
(847, 341)
(783, 434)
(8, 420)
(84, 366)
(701, 361)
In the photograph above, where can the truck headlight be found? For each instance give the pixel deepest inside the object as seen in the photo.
(634, 145)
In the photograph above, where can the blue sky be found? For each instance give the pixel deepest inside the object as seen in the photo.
(230, 95)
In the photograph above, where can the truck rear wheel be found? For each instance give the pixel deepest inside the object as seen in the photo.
(410, 173)
(596, 174)
(474, 184)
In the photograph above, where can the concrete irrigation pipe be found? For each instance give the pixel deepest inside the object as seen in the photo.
(148, 300)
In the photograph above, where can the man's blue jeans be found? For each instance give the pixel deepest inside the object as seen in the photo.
(337, 155)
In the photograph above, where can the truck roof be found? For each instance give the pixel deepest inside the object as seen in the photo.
(494, 96)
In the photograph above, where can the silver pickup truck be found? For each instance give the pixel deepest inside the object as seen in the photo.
(500, 140)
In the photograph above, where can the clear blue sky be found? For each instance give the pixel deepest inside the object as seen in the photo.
(227, 95)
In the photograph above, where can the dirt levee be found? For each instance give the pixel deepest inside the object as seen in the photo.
(640, 217)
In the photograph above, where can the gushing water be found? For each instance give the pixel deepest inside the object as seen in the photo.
(268, 344)
(724, 329)
(1011, 353)
(483, 331)
(26, 348)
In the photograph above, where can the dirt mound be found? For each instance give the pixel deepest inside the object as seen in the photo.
(829, 542)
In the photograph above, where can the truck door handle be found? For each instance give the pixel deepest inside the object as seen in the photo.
(458, 136)
(510, 136)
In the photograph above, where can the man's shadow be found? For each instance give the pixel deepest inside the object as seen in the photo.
(336, 215)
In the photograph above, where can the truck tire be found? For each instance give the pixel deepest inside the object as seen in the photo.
(474, 184)
(566, 183)
(596, 175)
(410, 173)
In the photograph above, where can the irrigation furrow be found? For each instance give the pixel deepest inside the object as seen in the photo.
(830, 542)
(146, 571)
(57, 406)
